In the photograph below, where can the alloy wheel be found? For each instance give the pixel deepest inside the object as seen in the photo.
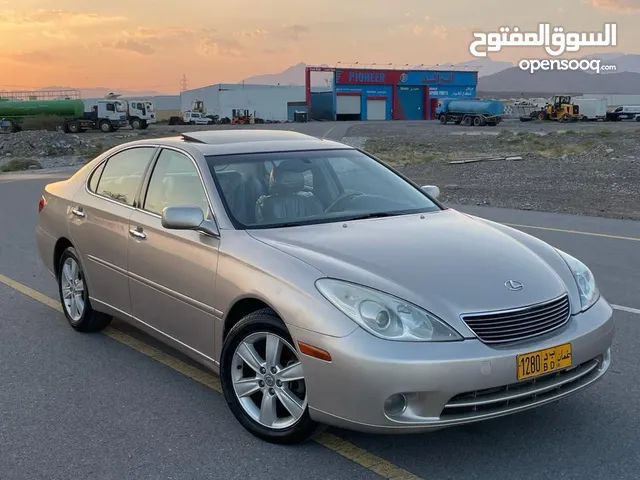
(72, 284)
(268, 380)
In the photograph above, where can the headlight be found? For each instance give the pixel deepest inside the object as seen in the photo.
(385, 316)
(589, 292)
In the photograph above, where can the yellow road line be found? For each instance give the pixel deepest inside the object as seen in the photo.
(578, 232)
(30, 292)
(368, 460)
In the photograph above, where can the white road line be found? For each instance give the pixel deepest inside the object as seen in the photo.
(329, 131)
(626, 309)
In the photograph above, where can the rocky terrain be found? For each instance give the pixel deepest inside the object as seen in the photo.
(579, 169)
(587, 169)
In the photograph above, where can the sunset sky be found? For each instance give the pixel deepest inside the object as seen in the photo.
(150, 44)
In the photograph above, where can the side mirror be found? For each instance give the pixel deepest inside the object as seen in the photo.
(431, 190)
(187, 218)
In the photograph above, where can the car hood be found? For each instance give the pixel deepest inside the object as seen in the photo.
(446, 262)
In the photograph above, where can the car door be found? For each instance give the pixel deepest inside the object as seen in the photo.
(100, 224)
(172, 273)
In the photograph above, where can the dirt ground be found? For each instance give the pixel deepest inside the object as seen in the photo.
(591, 169)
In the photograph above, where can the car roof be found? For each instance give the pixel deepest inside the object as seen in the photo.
(239, 141)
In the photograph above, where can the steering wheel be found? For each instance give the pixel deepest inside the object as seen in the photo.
(340, 199)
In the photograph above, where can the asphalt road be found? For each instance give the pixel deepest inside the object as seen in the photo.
(78, 406)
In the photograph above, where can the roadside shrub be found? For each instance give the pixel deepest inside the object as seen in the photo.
(17, 164)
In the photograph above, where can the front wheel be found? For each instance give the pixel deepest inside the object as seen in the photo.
(263, 381)
(74, 295)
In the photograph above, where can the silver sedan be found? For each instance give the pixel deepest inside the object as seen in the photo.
(321, 285)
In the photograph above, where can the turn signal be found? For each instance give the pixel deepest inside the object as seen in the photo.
(42, 203)
(314, 351)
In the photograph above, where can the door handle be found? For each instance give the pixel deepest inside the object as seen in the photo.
(78, 212)
(137, 232)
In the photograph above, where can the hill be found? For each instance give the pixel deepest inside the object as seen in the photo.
(516, 80)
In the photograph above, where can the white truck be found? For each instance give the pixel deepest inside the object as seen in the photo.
(592, 109)
(107, 115)
(141, 114)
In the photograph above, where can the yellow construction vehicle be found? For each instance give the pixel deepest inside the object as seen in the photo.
(560, 110)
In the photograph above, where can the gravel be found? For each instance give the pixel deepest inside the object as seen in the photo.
(578, 169)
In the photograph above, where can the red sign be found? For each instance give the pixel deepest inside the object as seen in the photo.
(368, 77)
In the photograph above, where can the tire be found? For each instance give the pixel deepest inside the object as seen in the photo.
(255, 327)
(136, 124)
(74, 127)
(105, 126)
(88, 320)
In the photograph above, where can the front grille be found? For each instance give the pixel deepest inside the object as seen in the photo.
(519, 323)
(526, 393)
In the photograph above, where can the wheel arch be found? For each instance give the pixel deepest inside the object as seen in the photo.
(242, 307)
(61, 245)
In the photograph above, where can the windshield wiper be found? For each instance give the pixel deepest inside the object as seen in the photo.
(373, 215)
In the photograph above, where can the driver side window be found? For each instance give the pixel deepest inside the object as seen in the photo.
(175, 182)
(353, 176)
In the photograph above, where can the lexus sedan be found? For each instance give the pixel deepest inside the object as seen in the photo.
(323, 286)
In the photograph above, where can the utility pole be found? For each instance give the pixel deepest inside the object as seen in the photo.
(183, 83)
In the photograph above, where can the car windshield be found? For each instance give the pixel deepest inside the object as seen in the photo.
(268, 190)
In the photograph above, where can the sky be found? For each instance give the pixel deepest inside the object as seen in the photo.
(150, 45)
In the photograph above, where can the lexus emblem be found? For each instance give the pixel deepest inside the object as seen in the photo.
(513, 285)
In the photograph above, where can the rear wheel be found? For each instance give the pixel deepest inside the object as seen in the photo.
(74, 295)
(263, 381)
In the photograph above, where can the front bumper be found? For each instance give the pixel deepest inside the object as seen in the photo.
(445, 384)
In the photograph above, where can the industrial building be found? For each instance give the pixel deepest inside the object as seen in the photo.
(392, 94)
(268, 102)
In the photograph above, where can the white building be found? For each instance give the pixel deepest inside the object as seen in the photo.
(269, 102)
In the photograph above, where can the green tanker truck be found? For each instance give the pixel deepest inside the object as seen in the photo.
(106, 115)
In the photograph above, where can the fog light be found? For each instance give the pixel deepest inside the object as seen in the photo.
(395, 405)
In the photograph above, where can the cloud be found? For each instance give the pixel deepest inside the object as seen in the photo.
(37, 57)
(257, 33)
(293, 32)
(218, 47)
(417, 30)
(134, 46)
(440, 31)
(617, 5)
(13, 20)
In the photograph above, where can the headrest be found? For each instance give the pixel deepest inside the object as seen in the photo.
(285, 181)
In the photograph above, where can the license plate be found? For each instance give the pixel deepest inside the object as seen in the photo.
(534, 364)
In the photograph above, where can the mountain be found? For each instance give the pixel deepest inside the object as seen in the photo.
(485, 66)
(293, 75)
(516, 80)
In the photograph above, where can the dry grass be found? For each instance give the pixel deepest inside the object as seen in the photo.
(18, 164)
(402, 153)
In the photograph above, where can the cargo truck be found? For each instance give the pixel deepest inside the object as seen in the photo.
(470, 112)
(106, 115)
(140, 113)
(593, 109)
